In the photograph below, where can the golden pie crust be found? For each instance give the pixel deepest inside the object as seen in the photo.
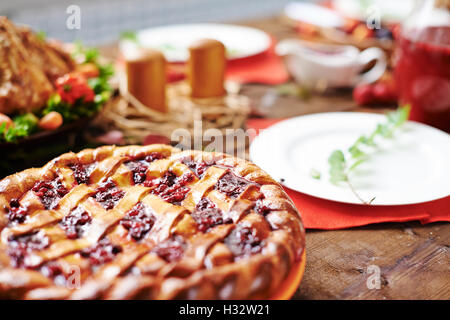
(146, 222)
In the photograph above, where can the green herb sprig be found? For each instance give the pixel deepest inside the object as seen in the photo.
(41, 35)
(129, 35)
(341, 167)
(293, 90)
(84, 54)
(24, 125)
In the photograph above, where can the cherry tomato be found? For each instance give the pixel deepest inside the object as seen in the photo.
(51, 121)
(5, 119)
(74, 86)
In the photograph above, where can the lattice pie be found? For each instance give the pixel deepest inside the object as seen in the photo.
(150, 222)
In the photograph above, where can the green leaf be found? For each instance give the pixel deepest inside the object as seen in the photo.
(2, 127)
(356, 164)
(293, 90)
(288, 89)
(337, 167)
(368, 141)
(315, 174)
(337, 176)
(24, 125)
(90, 55)
(399, 116)
(105, 71)
(336, 158)
(28, 119)
(129, 35)
(99, 85)
(41, 35)
(54, 100)
(85, 54)
(403, 114)
(356, 152)
(384, 130)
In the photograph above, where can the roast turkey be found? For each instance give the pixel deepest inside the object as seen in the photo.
(28, 67)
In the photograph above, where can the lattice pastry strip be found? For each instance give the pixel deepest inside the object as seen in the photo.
(148, 222)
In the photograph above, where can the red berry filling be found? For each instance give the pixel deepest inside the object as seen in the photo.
(231, 184)
(50, 192)
(171, 249)
(139, 169)
(170, 187)
(82, 172)
(55, 271)
(138, 221)
(20, 246)
(75, 223)
(51, 269)
(139, 166)
(262, 208)
(243, 241)
(108, 194)
(104, 251)
(208, 215)
(199, 168)
(16, 213)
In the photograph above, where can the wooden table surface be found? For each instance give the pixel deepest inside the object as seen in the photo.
(413, 259)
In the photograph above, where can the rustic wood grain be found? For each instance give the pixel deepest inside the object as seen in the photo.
(414, 262)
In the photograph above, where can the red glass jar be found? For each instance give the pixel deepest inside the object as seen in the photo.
(422, 63)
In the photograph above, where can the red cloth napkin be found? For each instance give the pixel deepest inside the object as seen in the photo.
(265, 68)
(330, 215)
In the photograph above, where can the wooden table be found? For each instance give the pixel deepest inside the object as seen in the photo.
(414, 260)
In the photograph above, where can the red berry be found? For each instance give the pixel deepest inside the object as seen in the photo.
(381, 92)
(363, 94)
(384, 92)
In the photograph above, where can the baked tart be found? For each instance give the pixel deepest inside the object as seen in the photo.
(148, 222)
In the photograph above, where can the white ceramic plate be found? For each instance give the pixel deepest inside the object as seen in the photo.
(174, 40)
(390, 11)
(411, 168)
(313, 14)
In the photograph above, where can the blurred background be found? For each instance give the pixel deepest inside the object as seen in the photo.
(284, 58)
(104, 20)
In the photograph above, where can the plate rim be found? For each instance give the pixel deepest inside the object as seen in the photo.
(288, 12)
(388, 18)
(343, 113)
(220, 25)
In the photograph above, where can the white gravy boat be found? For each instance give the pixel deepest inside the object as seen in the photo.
(318, 65)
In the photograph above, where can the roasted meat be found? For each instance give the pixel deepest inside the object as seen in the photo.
(46, 54)
(28, 68)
